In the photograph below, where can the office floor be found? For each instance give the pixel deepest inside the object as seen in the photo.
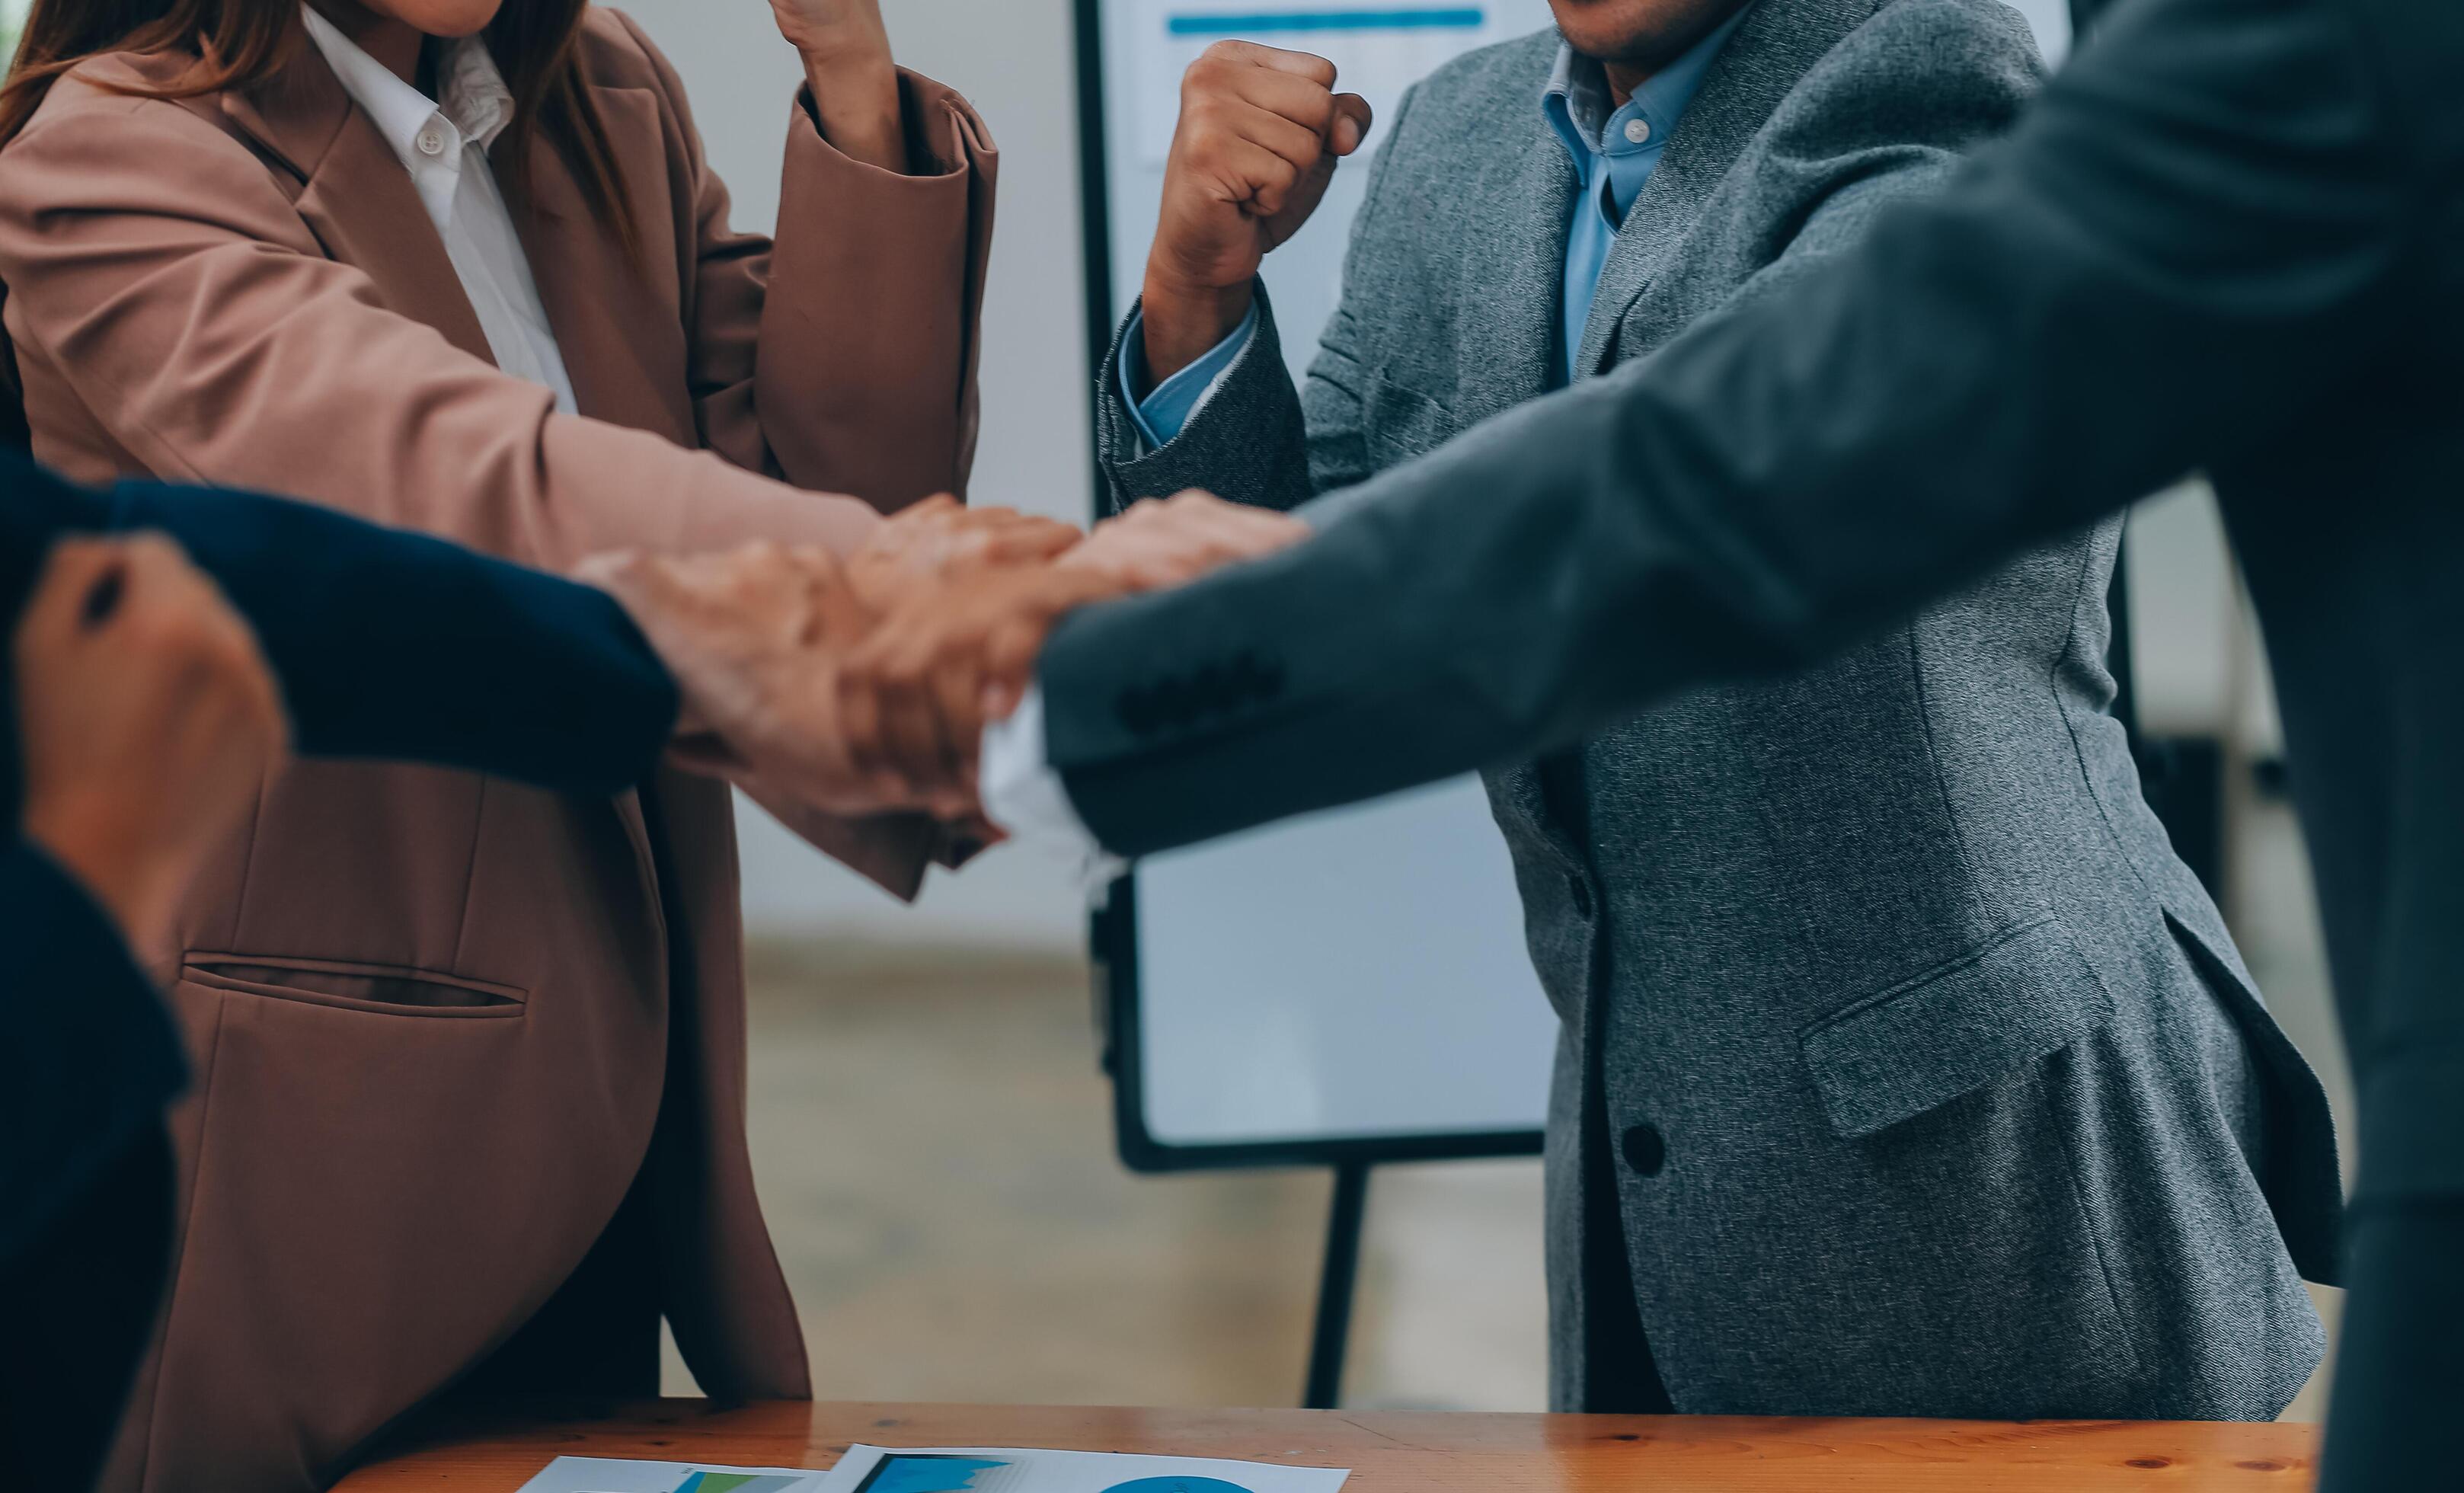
(934, 1149)
(934, 1145)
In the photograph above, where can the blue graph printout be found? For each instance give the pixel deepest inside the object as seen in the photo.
(977, 1469)
(927, 1473)
(611, 1474)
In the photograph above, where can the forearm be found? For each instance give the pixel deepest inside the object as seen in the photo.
(868, 315)
(2078, 319)
(1246, 440)
(858, 109)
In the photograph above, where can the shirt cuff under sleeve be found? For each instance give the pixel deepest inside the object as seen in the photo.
(1163, 415)
(1024, 795)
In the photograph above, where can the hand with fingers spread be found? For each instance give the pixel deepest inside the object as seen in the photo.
(1261, 132)
(1171, 541)
(940, 538)
(146, 718)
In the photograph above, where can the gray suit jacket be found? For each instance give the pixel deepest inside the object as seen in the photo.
(1932, 1082)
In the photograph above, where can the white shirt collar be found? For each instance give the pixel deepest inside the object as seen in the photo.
(476, 108)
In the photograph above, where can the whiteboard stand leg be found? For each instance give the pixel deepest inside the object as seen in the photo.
(1334, 1291)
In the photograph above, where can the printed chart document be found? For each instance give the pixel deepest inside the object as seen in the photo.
(608, 1475)
(945, 1469)
(875, 1469)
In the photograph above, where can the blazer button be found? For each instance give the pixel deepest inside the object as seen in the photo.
(1580, 888)
(1646, 1150)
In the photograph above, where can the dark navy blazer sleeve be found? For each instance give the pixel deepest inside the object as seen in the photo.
(91, 1057)
(394, 645)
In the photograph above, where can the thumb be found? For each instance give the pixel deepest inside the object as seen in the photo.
(1301, 200)
(1353, 118)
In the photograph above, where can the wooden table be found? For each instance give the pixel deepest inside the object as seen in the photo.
(1414, 1453)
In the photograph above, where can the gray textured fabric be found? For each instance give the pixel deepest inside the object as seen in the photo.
(1968, 1107)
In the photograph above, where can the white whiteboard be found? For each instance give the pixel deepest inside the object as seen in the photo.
(1360, 975)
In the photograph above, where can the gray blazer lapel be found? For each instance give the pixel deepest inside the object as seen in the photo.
(1772, 48)
(1515, 217)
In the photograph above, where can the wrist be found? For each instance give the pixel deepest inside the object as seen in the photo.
(856, 70)
(1184, 322)
(857, 107)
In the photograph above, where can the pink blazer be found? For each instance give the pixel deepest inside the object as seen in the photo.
(431, 1013)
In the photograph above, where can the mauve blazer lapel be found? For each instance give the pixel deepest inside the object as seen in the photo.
(355, 195)
(627, 369)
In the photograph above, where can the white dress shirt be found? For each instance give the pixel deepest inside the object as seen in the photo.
(444, 146)
(1023, 793)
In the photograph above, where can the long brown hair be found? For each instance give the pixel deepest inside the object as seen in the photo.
(239, 43)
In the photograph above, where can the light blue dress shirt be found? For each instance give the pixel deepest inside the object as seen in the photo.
(1615, 151)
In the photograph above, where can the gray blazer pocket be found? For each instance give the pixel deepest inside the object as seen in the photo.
(1401, 422)
(1955, 1029)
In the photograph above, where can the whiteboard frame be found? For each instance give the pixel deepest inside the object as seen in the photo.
(1112, 936)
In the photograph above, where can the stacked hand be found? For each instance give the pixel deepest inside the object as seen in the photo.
(862, 684)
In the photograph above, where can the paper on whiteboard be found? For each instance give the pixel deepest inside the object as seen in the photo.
(1379, 47)
(608, 1475)
(875, 1469)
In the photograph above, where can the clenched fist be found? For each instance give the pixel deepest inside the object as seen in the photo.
(1261, 132)
(147, 717)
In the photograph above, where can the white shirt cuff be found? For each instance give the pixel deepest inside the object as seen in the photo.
(1024, 795)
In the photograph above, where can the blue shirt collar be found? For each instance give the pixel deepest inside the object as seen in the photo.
(1577, 102)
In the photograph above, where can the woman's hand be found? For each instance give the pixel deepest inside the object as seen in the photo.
(855, 82)
(147, 718)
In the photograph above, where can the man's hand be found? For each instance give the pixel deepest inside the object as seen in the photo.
(1172, 541)
(855, 84)
(937, 539)
(147, 718)
(1260, 131)
(915, 694)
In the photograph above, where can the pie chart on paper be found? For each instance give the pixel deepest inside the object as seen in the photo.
(1176, 1486)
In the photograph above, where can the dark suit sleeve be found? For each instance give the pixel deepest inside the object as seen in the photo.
(2216, 212)
(91, 1057)
(394, 645)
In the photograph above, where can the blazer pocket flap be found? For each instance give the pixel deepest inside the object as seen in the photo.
(1956, 1029)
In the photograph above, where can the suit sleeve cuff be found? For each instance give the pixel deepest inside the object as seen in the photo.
(1165, 412)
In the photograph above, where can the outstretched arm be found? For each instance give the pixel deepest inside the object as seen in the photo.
(389, 644)
(2206, 219)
